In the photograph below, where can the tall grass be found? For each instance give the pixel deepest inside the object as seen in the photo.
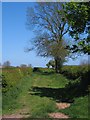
(12, 79)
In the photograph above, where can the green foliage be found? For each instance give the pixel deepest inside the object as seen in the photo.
(51, 63)
(78, 18)
(74, 72)
(71, 71)
(49, 40)
(12, 76)
(77, 15)
(81, 72)
(48, 66)
(36, 69)
(11, 86)
(10, 98)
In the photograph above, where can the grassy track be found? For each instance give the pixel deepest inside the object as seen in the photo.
(38, 95)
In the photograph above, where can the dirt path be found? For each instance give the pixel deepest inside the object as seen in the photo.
(23, 113)
(15, 116)
(62, 105)
(58, 114)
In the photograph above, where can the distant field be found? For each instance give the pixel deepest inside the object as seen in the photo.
(36, 93)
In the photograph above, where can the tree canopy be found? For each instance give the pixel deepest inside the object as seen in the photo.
(50, 28)
(77, 14)
(52, 21)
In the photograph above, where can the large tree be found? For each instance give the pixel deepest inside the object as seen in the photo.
(50, 26)
(78, 17)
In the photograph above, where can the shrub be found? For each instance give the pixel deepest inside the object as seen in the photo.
(36, 69)
(75, 72)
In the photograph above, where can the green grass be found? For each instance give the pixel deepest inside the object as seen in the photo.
(38, 93)
(0, 102)
(50, 81)
(38, 106)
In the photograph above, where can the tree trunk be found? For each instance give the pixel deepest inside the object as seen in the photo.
(57, 65)
(56, 68)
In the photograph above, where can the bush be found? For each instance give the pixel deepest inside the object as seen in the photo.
(75, 72)
(36, 69)
(71, 72)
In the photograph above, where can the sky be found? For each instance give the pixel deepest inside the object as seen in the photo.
(44, 0)
(0, 31)
(16, 36)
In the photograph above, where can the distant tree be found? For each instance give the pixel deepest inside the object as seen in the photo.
(29, 65)
(7, 64)
(0, 64)
(52, 26)
(17, 66)
(23, 65)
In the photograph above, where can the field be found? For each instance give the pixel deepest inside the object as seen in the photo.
(36, 94)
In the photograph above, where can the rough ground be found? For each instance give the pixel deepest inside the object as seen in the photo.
(58, 115)
(15, 116)
(24, 114)
(62, 105)
(20, 114)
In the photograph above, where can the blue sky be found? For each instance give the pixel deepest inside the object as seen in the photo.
(16, 37)
(0, 31)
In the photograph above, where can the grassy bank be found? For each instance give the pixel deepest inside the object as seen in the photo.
(38, 92)
(12, 81)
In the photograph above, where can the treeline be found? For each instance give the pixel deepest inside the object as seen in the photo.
(8, 64)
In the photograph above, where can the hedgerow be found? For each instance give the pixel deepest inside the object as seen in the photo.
(74, 72)
(12, 76)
